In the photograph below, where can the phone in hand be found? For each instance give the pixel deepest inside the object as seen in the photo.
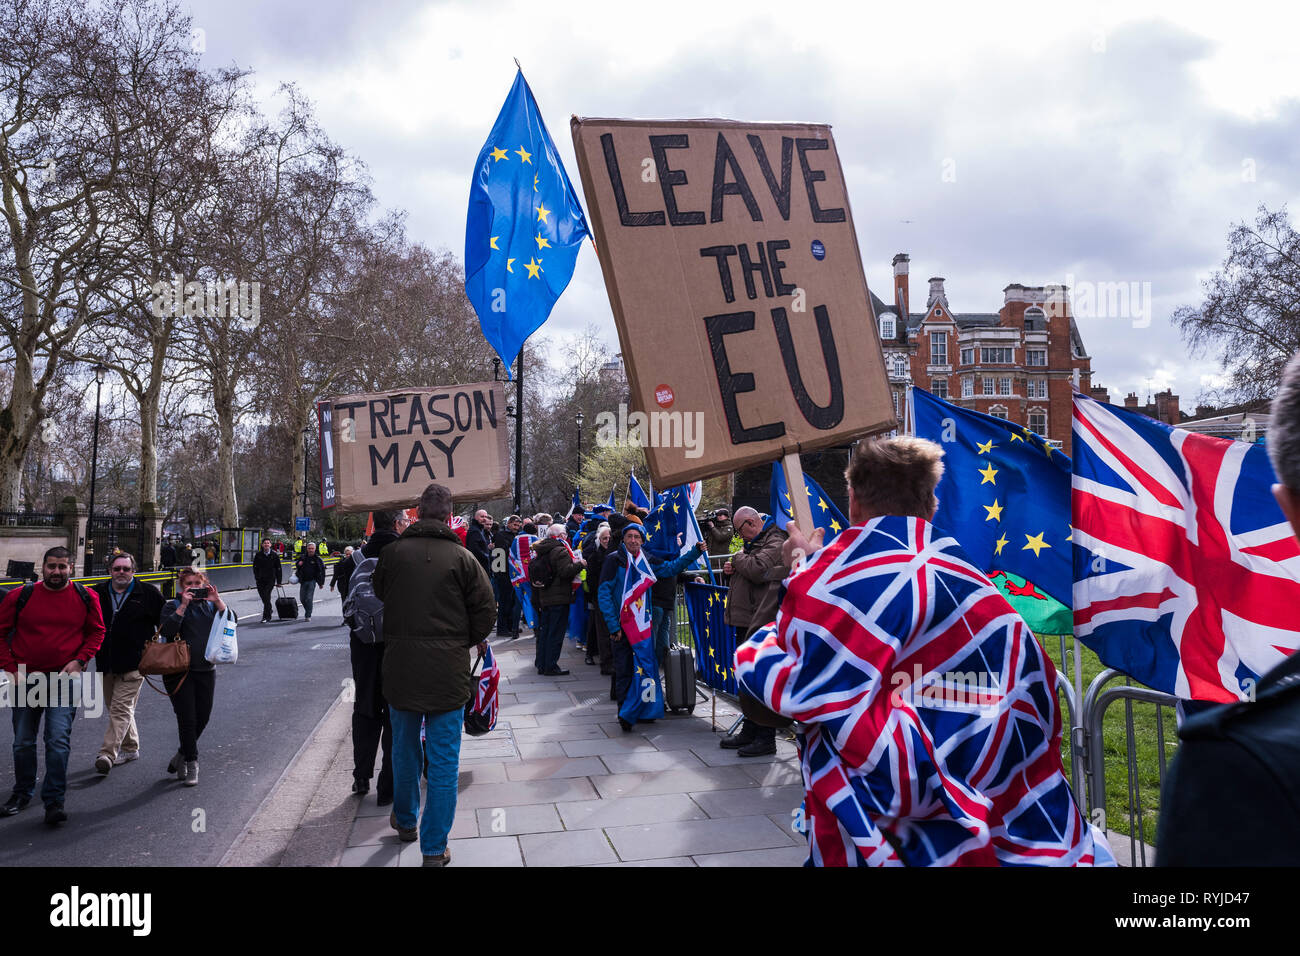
(199, 594)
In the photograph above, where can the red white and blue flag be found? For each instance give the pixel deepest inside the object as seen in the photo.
(645, 698)
(931, 730)
(1186, 574)
(520, 555)
(485, 690)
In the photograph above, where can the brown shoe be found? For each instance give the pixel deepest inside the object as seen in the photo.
(405, 835)
(444, 860)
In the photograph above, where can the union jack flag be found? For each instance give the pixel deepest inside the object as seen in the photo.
(485, 690)
(1186, 574)
(644, 699)
(520, 553)
(931, 730)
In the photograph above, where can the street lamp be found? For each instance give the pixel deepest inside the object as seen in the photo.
(100, 370)
(579, 420)
(305, 432)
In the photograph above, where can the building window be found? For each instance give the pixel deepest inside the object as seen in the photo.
(998, 411)
(1035, 320)
(968, 356)
(1036, 357)
(988, 386)
(938, 348)
(939, 386)
(1038, 388)
(996, 356)
(900, 366)
(967, 386)
(887, 327)
(1004, 386)
(895, 394)
(1038, 421)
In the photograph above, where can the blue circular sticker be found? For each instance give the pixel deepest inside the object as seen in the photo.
(818, 250)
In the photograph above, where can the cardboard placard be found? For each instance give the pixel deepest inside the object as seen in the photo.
(734, 274)
(388, 446)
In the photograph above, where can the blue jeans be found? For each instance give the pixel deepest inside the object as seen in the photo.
(58, 745)
(306, 591)
(442, 749)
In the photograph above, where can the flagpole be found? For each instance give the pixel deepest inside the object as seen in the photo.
(519, 429)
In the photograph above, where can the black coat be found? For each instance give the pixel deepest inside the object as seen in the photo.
(126, 631)
(267, 568)
(501, 541)
(342, 575)
(1232, 794)
(310, 568)
(560, 591)
(479, 541)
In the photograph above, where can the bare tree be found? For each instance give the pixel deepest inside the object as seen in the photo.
(1251, 313)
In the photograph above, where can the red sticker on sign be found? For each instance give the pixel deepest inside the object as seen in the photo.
(664, 396)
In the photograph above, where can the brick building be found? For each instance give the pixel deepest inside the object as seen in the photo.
(1019, 363)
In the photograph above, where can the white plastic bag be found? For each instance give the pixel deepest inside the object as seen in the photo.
(293, 579)
(223, 648)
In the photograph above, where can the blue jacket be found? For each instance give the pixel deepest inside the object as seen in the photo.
(610, 593)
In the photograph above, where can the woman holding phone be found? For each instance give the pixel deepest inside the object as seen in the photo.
(190, 615)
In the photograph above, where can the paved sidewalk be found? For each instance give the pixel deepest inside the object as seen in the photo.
(557, 783)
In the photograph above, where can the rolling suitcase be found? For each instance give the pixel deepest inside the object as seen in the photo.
(286, 608)
(679, 679)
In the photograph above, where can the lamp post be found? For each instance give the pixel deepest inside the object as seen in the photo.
(305, 432)
(100, 370)
(578, 418)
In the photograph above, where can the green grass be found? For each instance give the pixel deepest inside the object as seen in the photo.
(1115, 749)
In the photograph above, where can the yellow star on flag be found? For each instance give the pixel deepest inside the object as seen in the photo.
(535, 189)
(1015, 437)
(1001, 543)
(542, 242)
(821, 503)
(988, 471)
(1035, 543)
(710, 652)
(524, 155)
(542, 212)
(994, 510)
(499, 154)
(1070, 536)
(534, 266)
(492, 243)
(509, 264)
(835, 526)
(986, 447)
(639, 672)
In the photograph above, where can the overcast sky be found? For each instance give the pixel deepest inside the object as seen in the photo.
(993, 143)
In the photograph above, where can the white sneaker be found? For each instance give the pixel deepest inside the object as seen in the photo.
(126, 756)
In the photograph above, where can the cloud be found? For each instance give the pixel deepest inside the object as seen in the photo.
(1112, 145)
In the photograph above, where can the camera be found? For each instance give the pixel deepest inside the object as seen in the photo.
(199, 594)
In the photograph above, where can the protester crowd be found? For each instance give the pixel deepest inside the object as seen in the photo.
(890, 777)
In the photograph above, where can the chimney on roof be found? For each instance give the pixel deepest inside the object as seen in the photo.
(1167, 407)
(1131, 400)
(936, 293)
(901, 289)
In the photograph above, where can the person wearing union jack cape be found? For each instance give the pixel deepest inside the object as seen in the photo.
(928, 722)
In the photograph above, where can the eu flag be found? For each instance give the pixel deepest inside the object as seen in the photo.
(672, 529)
(1005, 494)
(635, 494)
(714, 638)
(524, 228)
(824, 513)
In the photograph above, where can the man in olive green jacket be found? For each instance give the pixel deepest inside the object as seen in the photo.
(437, 605)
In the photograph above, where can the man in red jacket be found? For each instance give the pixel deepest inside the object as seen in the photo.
(47, 630)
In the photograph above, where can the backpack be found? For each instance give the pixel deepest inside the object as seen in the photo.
(25, 595)
(362, 608)
(541, 572)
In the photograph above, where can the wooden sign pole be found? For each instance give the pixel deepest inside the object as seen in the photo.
(798, 493)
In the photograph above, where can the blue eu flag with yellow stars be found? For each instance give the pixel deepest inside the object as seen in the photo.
(824, 513)
(1005, 494)
(524, 228)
